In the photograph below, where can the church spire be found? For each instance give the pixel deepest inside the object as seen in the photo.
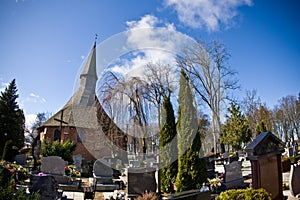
(85, 94)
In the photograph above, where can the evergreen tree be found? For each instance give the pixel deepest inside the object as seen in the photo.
(236, 130)
(261, 127)
(191, 168)
(168, 147)
(12, 120)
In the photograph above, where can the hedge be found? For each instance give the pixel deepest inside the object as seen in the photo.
(246, 194)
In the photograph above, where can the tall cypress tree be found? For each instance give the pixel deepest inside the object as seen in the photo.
(12, 120)
(168, 147)
(191, 168)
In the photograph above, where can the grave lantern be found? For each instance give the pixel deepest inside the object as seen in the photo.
(264, 153)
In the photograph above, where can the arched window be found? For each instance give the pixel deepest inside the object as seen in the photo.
(56, 135)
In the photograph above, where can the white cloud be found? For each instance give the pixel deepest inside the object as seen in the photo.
(147, 21)
(30, 120)
(33, 98)
(209, 14)
(34, 95)
(149, 40)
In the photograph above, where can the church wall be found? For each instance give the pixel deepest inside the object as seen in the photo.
(69, 133)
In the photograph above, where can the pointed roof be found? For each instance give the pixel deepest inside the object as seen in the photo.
(90, 66)
(264, 143)
(84, 95)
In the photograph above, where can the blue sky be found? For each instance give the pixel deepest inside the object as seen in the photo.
(43, 43)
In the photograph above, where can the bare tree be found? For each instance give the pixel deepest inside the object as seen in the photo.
(211, 78)
(160, 80)
(251, 104)
(290, 116)
(280, 124)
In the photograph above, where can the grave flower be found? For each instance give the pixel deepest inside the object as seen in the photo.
(67, 171)
(73, 172)
(18, 172)
(214, 183)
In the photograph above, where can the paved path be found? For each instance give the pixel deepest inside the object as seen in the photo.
(80, 195)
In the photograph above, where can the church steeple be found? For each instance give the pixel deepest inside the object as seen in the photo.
(85, 94)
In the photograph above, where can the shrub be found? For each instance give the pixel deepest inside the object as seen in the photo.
(55, 148)
(294, 159)
(12, 194)
(9, 151)
(249, 193)
(288, 161)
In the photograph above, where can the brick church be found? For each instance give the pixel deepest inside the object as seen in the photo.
(84, 121)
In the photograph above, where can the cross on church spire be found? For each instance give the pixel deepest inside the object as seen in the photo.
(96, 37)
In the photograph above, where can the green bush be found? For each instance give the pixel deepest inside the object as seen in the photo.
(288, 161)
(12, 194)
(9, 151)
(294, 159)
(64, 150)
(245, 194)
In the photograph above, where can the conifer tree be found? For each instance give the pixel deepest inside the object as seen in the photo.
(12, 120)
(168, 147)
(191, 168)
(236, 129)
(261, 127)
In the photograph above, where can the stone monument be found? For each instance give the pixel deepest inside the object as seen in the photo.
(103, 176)
(294, 181)
(233, 175)
(264, 153)
(55, 166)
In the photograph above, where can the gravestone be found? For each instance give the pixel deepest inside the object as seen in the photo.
(140, 181)
(46, 186)
(225, 157)
(20, 159)
(103, 176)
(264, 153)
(77, 161)
(87, 168)
(210, 166)
(294, 181)
(233, 175)
(296, 148)
(55, 166)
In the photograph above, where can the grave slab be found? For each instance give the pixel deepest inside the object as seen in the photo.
(294, 181)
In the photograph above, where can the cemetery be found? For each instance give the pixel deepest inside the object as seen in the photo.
(259, 169)
(81, 153)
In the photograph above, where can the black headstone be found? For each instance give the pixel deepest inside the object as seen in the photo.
(46, 186)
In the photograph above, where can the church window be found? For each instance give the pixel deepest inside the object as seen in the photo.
(56, 135)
